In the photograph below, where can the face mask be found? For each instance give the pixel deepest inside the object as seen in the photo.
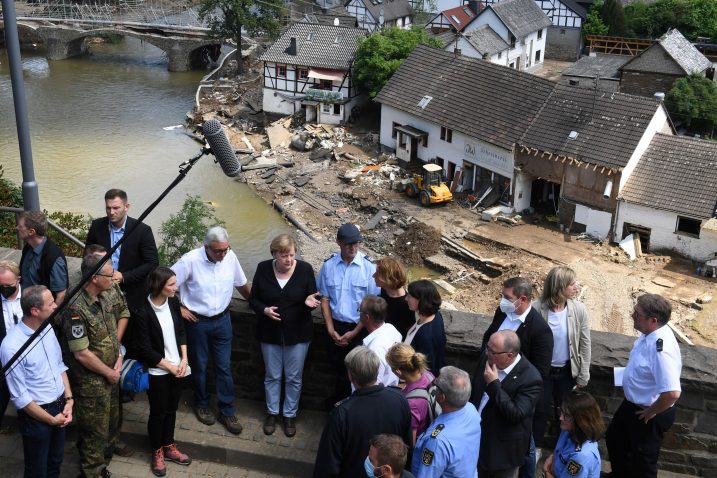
(369, 469)
(506, 306)
(8, 290)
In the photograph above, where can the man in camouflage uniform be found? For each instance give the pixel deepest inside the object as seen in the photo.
(91, 350)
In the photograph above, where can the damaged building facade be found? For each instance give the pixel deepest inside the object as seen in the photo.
(309, 68)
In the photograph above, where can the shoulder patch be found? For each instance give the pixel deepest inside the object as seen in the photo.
(78, 330)
(427, 457)
(573, 468)
(659, 345)
(436, 431)
(75, 317)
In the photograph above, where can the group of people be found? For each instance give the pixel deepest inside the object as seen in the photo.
(397, 406)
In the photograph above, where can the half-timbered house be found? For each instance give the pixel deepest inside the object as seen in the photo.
(375, 14)
(310, 68)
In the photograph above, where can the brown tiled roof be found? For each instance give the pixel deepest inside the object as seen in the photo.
(328, 46)
(676, 173)
(478, 98)
(608, 125)
(460, 17)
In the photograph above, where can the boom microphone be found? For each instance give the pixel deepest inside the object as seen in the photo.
(221, 149)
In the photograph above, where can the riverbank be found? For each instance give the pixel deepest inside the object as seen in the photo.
(342, 177)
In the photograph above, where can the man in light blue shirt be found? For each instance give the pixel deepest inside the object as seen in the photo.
(38, 385)
(344, 280)
(450, 445)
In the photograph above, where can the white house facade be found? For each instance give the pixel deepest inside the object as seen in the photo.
(372, 15)
(309, 68)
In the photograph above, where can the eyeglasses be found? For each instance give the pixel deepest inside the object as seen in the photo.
(220, 252)
(438, 387)
(489, 350)
(565, 414)
(106, 275)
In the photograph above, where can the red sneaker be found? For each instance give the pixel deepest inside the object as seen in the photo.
(171, 453)
(158, 466)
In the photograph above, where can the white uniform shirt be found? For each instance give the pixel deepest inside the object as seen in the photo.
(501, 376)
(650, 372)
(380, 340)
(558, 322)
(11, 311)
(206, 287)
(171, 352)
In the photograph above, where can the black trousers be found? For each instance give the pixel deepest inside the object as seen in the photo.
(164, 393)
(634, 445)
(558, 383)
(342, 388)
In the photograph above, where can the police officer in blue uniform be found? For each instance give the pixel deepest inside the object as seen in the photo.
(449, 447)
(576, 453)
(344, 280)
(651, 382)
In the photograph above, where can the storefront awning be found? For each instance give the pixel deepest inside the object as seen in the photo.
(323, 74)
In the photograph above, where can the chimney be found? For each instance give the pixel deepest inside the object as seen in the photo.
(292, 47)
(457, 52)
(660, 96)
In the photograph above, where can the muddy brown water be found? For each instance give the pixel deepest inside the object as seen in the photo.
(98, 122)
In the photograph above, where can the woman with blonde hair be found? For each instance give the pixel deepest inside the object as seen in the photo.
(581, 426)
(391, 277)
(412, 368)
(569, 322)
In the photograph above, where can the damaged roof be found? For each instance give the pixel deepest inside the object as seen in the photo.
(320, 46)
(676, 173)
(522, 17)
(457, 85)
(608, 125)
(676, 47)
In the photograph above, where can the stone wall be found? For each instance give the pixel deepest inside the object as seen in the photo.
(646, 84)
(563, 43)
(689, 447)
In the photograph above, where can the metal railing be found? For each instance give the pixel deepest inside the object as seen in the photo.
(64, 233)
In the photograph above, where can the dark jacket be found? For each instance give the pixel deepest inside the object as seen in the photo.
(431, 341)
(296, 325)
(353, 422)
(507, 419)
(536, 339)
(49, 255)
(148, 339)
(398, 314)
(138, 256)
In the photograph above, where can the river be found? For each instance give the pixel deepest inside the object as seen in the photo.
(97, 122)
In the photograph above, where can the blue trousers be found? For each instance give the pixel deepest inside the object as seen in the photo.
(212, 336)
(43, 445)
(288, 359)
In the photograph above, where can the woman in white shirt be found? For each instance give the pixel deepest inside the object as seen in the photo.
(569, 322)
(162, 347)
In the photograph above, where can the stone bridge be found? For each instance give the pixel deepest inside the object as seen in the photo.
(185, 49)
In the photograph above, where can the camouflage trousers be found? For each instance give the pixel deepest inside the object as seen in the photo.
(97, 429)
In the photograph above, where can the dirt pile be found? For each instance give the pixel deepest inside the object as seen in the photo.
(418, 242)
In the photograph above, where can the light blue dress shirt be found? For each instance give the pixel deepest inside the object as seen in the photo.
(37, 374)
(115, 236)
(347, 285)
(571, 460)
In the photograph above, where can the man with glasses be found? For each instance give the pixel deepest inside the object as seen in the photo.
(449, 447)
(207, 277)
(506, 388)
(91, 350)
(10, 315)
(344, 280)
(516, 313)
(651, 382)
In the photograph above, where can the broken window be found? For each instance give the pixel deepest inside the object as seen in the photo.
(686, 225)
(325, 108)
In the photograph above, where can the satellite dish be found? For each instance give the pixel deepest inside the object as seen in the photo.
(336, 22)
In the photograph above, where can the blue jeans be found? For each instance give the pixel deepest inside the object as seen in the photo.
(290, 359)
(43, 445)
(212, 336)
(528, 468)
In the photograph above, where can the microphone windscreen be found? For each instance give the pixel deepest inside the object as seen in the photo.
(221, 149)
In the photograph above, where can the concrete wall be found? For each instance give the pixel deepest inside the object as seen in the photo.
(563, 43)
(663, 235)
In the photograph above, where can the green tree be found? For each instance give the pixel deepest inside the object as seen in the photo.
(639, 21)
(184, 230)
(613, 15)
(693, 101)
(10, 196)
(593, 23)
(227, 18)
(379, 55)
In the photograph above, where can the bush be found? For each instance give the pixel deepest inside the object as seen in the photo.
(183, 231)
